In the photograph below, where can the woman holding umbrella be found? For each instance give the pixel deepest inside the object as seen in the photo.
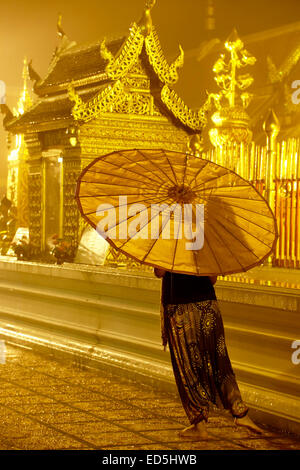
(239, 232)
(193, 327)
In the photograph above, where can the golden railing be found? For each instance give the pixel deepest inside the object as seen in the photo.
(252, 163)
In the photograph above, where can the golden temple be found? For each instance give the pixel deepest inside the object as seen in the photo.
(125, 94)
(120, 94)
(94, 99)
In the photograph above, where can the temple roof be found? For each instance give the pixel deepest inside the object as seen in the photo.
(56, 110)
(108, 65)
(79, 63)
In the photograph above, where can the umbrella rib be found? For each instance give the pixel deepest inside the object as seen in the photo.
(131, 216)
(156, 239)
(241, 197)
(237, 239)
(198, 173)
(211, 201)
(194, 251)
(212, 179)
(185, 167)
(115, 175)
(121, 205)
(102, 183)
(217, 262)
(115, 195)
(244, 218)
(121, 246)
(138, 163)
(143, 175)
(157, 166)
(175, 248)
(224, 245)
(128, 169)
(244, 230)
(223, 187)
(172, 169)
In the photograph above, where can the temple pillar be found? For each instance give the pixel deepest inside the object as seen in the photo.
(35, 184)
(72, 223)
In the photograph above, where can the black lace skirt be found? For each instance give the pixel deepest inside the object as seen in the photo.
(200, 360)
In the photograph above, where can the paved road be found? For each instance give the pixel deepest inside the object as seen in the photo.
(50, 404)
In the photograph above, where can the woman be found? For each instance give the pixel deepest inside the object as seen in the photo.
(192, 326)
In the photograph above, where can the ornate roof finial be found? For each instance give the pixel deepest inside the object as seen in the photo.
(60, 31)
(65, 42)
(33, 75)
(145, 22)
(271, 125)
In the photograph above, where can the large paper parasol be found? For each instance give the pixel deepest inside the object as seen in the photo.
(211, 221)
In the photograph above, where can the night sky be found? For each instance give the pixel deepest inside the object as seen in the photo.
(28, 28)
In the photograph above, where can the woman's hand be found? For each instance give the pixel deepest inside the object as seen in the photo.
(159, 272)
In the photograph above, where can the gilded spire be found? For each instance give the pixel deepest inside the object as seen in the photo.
(227, 76)
(65, 42)
(145, 22)
(271, 125)
(60, 31)
(232, 98)
(24, 101)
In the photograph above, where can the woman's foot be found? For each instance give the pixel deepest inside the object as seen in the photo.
(248, 423)
(196, 431)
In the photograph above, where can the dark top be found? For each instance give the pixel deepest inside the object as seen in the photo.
(185, 288)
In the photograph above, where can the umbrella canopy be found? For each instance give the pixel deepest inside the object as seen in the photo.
(177, 212)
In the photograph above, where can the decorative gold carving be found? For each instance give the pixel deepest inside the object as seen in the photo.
(119, 66)
(196, 120)
(226, 74)
(134, 103)
(105, 135)
(130, 94)
(229, 135)
(165, 72)
(231, 119)
(101, 104)
(71, 171)
(23, 211)
(136, 83)
(35, 215)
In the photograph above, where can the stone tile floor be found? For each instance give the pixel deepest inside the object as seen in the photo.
(50, 404)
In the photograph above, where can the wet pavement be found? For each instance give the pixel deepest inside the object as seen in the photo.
(54, 405)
